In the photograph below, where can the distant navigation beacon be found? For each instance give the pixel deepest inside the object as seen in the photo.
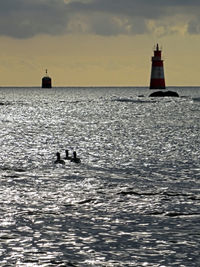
(157, 71)
(46, 81)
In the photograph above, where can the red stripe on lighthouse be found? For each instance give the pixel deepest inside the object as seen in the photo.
(157, 63)
(157, 84)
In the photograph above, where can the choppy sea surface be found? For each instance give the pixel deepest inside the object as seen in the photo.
(134, 200)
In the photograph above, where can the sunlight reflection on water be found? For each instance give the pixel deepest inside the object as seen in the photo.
(134, 199)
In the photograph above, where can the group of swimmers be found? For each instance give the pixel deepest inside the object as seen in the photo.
(72, 159)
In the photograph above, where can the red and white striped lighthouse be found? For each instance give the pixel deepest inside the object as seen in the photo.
(157, 71)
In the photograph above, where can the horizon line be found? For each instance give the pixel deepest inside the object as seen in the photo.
(95, 86)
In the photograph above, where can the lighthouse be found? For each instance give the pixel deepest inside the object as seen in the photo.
(157, 71)
(46, 81)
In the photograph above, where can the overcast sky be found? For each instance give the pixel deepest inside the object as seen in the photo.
(27, 18)
(98, 42)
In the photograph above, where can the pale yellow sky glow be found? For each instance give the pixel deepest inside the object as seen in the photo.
(85, 60)
(117, 54)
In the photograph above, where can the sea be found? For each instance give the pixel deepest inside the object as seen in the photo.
(134, 200)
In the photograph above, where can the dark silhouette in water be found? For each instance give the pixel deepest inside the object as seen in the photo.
(67, 155)
(46, 81)
(59, 160)
(75, 159)
(163, 94)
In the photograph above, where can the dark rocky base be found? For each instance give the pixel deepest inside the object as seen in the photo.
(163, 94)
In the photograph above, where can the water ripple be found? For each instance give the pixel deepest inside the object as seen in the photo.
(133, 200)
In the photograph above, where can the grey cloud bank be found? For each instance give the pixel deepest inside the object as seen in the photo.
(27, 18)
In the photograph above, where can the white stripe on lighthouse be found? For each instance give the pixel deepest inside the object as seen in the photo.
(157, 73)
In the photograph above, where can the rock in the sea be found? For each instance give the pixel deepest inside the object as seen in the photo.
(163, 94)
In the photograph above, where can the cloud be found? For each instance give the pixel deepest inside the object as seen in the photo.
(27, 18)
(194, 26)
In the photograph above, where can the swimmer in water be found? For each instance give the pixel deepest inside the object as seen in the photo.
(59, 160)
(75, 159)
(67, 155)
